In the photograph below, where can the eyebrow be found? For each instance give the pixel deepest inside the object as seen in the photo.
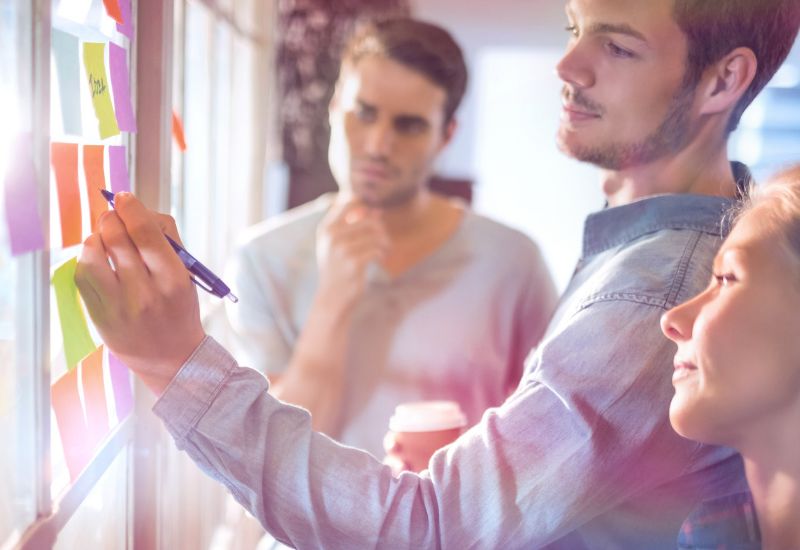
(617, 28)
(609, 28)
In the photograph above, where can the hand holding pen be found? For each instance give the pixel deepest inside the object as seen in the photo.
(201, 275)
(136, 290)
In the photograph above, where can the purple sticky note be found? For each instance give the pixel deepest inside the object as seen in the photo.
(22, 211)
(118, 169)
(120, 84)
(121, 384)
(127, 26)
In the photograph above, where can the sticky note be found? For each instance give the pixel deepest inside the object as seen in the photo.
(65, 49)
(74, 10)
(21, 202)
(94, 397)
(71, 422)
(93, 156)
(113, 10)
(121, 384)
(120, 85)
(64, 159)
(177, 131)
(126, 27)
(77, 340)
(98, 85)
(118, 169)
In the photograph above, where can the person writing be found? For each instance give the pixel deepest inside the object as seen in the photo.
(737, 373)
(582, 454)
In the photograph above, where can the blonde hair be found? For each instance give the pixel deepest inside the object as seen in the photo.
(779, 200)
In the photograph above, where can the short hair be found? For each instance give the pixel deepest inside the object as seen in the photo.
(714, 28)
(426, 48)
(778, 203)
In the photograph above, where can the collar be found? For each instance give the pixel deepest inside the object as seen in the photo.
(612, 227)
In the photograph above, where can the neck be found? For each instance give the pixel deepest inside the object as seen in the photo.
(772, 465)
(701, 168)
(407, 218)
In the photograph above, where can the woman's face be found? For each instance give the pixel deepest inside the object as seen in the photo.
(737, 368)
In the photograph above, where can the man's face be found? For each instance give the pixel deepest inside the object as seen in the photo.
(624, 99)
(387, 127)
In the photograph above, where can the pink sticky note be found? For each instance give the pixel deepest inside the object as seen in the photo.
(121, 384)
(94, 397)
(120, 84)
(22, 206)
(118, 169)
(71, 422)
(126, 27)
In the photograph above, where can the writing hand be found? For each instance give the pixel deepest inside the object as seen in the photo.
(145, 307)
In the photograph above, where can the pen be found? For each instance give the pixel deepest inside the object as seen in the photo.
(210, 282)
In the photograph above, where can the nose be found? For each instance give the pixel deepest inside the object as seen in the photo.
(575, 68)
(379, 140)
(677, 323)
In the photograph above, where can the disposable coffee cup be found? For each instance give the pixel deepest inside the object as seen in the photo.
(423, 427)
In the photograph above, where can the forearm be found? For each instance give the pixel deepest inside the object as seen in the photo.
(315, 376)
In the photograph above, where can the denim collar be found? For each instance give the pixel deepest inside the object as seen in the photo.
(612, 227)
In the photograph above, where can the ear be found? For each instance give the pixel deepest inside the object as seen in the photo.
(727, 80)
(449, 132)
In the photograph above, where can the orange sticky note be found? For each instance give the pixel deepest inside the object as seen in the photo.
(94, 397)
(64, 158)
(95, 180)
(71, 422)
(177, 131)
(113, 10)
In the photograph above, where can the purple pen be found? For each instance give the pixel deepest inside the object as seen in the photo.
(201, 275)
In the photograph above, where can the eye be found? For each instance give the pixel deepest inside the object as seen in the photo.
(411, 126)
(616, 51)
(572, 29)
(725, 279)
(365, 114)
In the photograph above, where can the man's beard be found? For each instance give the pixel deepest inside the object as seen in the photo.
(669, 138)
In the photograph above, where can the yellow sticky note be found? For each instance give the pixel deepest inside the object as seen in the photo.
(78, 342)
(95, 64)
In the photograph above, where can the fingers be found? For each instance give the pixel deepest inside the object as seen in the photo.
(147, 236)
(94, 277)
(118, 246)
(168, 226)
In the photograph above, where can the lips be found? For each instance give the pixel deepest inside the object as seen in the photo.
(683, 370)
(573, 113)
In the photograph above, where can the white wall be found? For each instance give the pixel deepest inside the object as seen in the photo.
(508, 122)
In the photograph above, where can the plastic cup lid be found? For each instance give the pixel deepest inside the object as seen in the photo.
(427, 416)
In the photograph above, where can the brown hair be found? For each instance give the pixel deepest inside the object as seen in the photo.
(714, 28)
(423, 47)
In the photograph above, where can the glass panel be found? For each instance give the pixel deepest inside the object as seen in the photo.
(17, 459)
(102, 519)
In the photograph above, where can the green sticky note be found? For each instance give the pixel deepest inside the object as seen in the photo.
(78, 342)
(94, 61)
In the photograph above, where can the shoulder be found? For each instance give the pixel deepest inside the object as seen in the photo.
(287, 232)
(725, 522)
(494, 238)
(662, 268)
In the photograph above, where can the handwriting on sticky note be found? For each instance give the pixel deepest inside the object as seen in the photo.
(78, 342)
(94, 62)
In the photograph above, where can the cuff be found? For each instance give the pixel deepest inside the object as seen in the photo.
(190, 394)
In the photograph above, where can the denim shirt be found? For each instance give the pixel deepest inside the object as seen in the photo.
(582, 455)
